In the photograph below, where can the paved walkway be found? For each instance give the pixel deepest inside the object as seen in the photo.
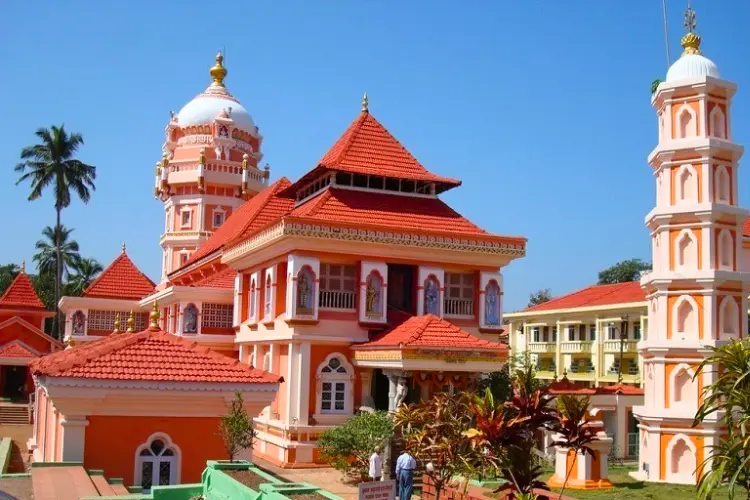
(20, 456)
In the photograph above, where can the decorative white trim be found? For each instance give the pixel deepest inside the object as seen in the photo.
(161, 386)
(679, 478)
(673, 403)
(183, 223)
(176, 460)
(731, 302)
(686, 108)
(218, 211)
(722, 180)
(716, 111)
(691, 331)
(725, 240)
(345, 378)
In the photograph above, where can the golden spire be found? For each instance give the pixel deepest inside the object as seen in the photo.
(23, 266)
(365, 104)
(691, 42)
(117, 323)
(202, 157)
(131, 322)
(154, 317)
(245, 157)
(70, 342)
(164, 159)
(218, 71)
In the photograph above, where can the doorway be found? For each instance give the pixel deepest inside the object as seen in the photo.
(401, 289)
(380, 388)
(13, 382)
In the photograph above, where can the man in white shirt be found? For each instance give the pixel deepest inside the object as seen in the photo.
(405, 466)
(376, 465)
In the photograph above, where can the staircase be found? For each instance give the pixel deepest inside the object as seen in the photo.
(14, 414)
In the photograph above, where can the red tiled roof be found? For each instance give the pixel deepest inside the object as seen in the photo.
(597, 295)
(389, 211)
(16, 349)
(255, 213)
(429, 331)
(21, 293)
(367, 147)
(121, 280)
(222, 279)
(148, 355)
(746, 228)
(28, 326)
(565, 386)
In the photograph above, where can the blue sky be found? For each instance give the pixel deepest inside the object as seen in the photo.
(540, 107)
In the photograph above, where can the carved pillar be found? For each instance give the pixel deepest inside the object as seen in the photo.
(365, 377)
(392, 383)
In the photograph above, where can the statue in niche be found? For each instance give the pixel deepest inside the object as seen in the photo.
(374, 290)
(223, 132)
(79, 323)
(492, 305)
(401, 392)
(190, 319)
(304, 293)
(431, 297)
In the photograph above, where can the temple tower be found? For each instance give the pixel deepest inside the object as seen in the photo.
(209, 167)
(697, 290)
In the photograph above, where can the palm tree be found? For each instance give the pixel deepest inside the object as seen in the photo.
(53, 163)
(47, 251)
(86, 271)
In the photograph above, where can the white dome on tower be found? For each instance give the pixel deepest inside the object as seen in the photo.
(692, 64)
(215, 102)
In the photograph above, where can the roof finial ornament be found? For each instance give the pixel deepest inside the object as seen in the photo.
(131, 322)
(123, 247)
(23, 266)
(202, 157)
(691, 41)
(245, 157)
(365, 104)
(117, 323)
(218, 71)
(154, 317)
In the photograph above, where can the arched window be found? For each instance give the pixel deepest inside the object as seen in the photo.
(251, 307)
(267, 297)
(729, 318)
(681, 454)
(723, 185)
(687, 184)
(726, 250)
(305, 298)
(492, 303)
(431, 296)
(374, 296)
(688, 123)
(157, 462)
(79, 323)
(683, 387)
(718, 123)
(686, 318)
(190, 319)
(687, 250)
(335, 389)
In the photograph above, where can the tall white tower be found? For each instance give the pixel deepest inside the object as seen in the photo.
(208, 169)
(697, 291)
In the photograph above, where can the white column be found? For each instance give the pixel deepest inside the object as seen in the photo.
(180, 318)
(303, 393)
(256, 362)
(392, 381)
(73, 437)
(621, 437)
(292, 384)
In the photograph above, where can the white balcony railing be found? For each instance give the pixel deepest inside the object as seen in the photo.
(614, 346)
(542, 347)
(458, 307)
(575, 346)
(336, 300)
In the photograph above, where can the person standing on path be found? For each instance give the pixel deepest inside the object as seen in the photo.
(405, 466)
(376, 465)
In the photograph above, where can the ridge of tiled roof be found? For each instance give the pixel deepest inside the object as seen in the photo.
(150, 355)
(31, 328)
(258, 211)
(120, 280)
(596, 295)
(17, 349)
(21, 294)
(221, 279)
(430, 331)
(368, 148)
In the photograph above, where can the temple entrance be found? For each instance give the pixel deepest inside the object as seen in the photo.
(401, 289)
(380, 387)
(13, 379)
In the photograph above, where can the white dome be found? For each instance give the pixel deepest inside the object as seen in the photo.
(691, 66)
(205, 108)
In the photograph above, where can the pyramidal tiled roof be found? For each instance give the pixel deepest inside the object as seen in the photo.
(17, 349)
(21, 294)
(150, 355)
(430, 331)
(121, 280)
(597, 295)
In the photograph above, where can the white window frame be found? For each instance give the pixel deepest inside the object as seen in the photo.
(184, 257)
(536, 334)
(183, 223)
(461, 286)
(326, 276)
(218, 211)
(175, 460)
(332, 415)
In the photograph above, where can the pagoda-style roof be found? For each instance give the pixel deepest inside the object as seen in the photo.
(120, 280)
(21, 295)
(17, 349)
(368, 148)
(150, 355)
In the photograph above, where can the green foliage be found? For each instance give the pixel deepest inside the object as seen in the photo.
(498, 383)
(729, 399)
(572, 427)
(8, 273)
(348, 447)
(627, 270)
(236, 428)
(85, 271)
(654, 86)
(540, 297)
(46, 256)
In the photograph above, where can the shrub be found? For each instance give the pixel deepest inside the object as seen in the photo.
(348, 447)
(236, 428)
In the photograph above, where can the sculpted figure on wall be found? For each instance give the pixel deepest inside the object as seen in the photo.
(492, 304)
(190, 319)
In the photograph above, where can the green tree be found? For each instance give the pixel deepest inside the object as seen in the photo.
(52, 162)
(8, 273)
(728, 398)
(348, 447)
(236, 428)
(85, 271)
(539, 297)
(627, 270)
(47, 251)
(654, 86)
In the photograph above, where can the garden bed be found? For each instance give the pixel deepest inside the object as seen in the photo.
(306, 496)
(248, 478)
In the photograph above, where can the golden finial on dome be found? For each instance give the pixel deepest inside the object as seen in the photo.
(691, 41)
(365, 104)
(117, 323)
(70, 342)
(154, 317)
(202, 157)
(164, 159)
(245, 157)
(131, 322)
(218, 71)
